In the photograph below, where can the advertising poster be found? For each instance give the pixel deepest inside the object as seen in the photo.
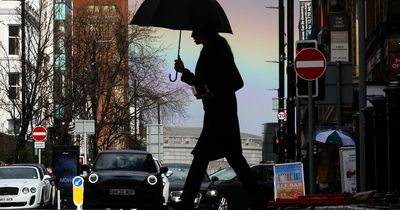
(306, 19)
(348, 171)
(65, 165)
(289, 180)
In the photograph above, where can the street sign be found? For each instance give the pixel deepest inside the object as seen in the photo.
(39, 145)
(39, 133)
(310, 64)
(281, 115)
(77, 191)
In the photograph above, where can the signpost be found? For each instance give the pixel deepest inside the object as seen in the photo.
(77, 191)
(310, 64)
(39, 134)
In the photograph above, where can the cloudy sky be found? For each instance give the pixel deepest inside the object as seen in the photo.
(254, 41)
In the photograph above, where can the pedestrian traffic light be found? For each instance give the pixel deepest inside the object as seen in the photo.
(303, 44)
(276, 143)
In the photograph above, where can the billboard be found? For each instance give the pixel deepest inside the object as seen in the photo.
(289, 180)
(65, 165)
(348, 171)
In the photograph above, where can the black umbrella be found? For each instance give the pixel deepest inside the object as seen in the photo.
(182, 15)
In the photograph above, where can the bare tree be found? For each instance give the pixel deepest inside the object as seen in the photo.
(153, 98)
(29, 103)
(107, 86)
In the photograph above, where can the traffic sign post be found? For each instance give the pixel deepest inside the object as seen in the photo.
(77, 191)
(39, 134)
(310, 64)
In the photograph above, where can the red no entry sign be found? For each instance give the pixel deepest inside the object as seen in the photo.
(39, 133)
(310, 64)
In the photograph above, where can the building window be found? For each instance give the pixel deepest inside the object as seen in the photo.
(338, 5)
(60, 10)
(59, 111)
(13, 85)
(13, 40)
(13, 126)
(60, 62)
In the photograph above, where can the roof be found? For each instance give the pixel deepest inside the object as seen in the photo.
(195, 132)
(176, 164)
(125, 151)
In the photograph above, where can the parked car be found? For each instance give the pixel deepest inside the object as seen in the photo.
(164, 179)
(26, 186)
(206, 196)
(231, 194)
(124, 179)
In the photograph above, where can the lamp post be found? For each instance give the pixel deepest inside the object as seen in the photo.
(281, 91)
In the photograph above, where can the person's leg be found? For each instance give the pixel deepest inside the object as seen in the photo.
(243, 171)
(193, 181)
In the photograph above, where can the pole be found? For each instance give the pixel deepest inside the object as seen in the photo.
(158, 127)
(135, 112)
(84, 145)
(361, 96)
(291, 85)
(23, 64)
(310, 140)
(40, 156)
(58, 199)
(339, 95)
(281, 91)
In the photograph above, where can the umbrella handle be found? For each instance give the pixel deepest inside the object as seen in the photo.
(179, 49)
(173, 80)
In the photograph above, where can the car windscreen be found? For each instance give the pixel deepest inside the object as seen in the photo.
(18, 173)
(224, 174)
(125, 161)
(181, 172)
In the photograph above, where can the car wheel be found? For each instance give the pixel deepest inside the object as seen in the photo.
(223, 203)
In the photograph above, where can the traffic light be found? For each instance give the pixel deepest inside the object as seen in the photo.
(276, 143)
(318, 85)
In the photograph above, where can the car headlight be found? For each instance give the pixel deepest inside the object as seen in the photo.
(93, 178)
(152, 180)
(212, 192)
(25, 190)
(175, 196)
(33, 189)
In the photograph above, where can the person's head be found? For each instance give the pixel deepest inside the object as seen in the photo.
(202, 36)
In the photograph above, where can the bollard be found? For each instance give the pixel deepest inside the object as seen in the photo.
(393, 135)
(380, 145)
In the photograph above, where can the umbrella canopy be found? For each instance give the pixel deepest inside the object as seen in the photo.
(334, 137)
(183, 15)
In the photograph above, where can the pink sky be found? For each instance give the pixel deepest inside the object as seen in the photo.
(254, 41)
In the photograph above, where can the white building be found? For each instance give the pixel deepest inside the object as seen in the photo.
(178, 142)
(10, 49)
(10, 55)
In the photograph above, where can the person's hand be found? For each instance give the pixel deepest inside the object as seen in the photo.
(179, 66)
(207, 93)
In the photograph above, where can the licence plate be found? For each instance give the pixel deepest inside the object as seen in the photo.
(6, 199)
(122, 192)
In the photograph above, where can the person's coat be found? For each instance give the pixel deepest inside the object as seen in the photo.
(216, 69)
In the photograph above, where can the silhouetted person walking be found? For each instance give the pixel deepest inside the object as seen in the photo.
(215, 82)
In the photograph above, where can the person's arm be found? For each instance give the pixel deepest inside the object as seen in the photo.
(187, 76)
